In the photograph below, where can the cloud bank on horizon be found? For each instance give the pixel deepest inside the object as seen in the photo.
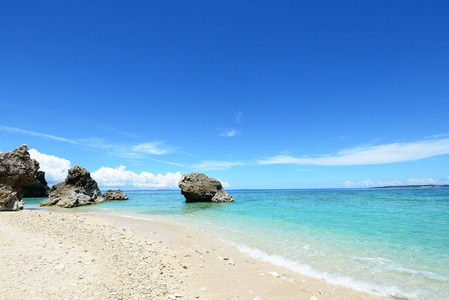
(56, 170)
(412, 181)
(120, 177)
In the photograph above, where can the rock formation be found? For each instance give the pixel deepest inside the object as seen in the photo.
(9, 199)
(38, 188)
(115, 195)
(17, 170)
(197, 187)
(78, 189)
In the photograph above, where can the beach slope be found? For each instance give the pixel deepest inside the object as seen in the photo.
(52, 255)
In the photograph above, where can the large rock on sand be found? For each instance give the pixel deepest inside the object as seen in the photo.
(115, 195)
(78, 189)
(38, 188)
(17, 170)
(197, 187)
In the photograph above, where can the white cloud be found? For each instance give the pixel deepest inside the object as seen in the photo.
(206, 165)
(381, 154)
(224, 184)
(229, 132)
(119, 177)
(55, 168)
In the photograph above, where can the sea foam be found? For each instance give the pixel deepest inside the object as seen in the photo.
(340, 280)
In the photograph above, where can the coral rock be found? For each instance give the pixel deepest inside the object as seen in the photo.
(17, 170)
(78, 189)
(115, 195)
(197, 187)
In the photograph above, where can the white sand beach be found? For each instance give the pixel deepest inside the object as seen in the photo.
(53, 255)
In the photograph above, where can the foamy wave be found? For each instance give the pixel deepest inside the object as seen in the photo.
(386, 264)
(341, 280)
(131, 217)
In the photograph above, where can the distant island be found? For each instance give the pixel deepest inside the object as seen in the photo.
(411, 186)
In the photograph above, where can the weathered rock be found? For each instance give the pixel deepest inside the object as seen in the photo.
(9, 199)
(114, 195)
(197, 187)
(17, 170)
(78, 189)
(38, 188)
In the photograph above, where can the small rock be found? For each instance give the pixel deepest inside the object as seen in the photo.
(60, 267)
(275, 274)
(203, 289)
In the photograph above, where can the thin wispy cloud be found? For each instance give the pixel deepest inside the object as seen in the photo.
(438, 136)
(115, 149)
(129, 151)
(238, 117)
(230, 132)
(380, 154)
(168, 162)
(207, 165)
(156, 148)
(37, 134)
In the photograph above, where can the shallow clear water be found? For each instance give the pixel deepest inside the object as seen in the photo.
(392, 242)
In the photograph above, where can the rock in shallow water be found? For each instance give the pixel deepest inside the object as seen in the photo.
(197, 187)
(78, 189)
(115, 195)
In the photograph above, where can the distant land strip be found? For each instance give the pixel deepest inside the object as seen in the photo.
(411, 186)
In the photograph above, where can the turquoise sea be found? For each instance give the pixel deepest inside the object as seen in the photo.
(390, 242)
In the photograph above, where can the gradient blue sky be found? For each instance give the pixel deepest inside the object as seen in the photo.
(259, 94)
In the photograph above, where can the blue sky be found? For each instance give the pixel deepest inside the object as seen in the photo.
(259, 94)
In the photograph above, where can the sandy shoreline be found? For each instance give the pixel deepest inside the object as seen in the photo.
(51, 255)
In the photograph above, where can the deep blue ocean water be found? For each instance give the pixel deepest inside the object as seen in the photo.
(391, 242)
